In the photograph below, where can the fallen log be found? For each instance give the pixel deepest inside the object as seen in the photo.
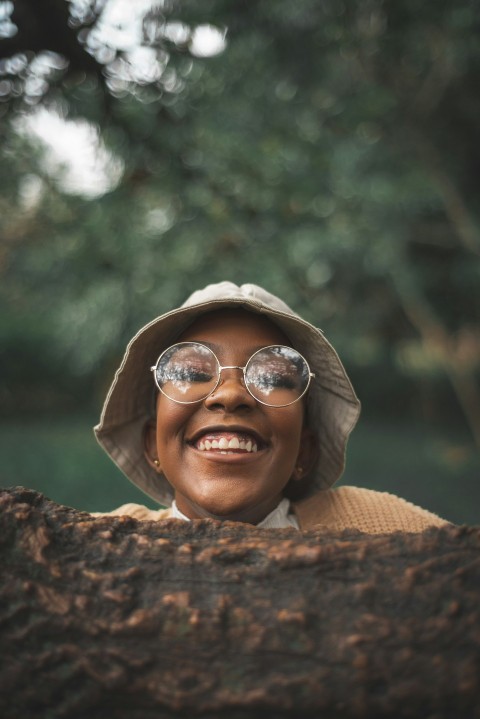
(115, 617)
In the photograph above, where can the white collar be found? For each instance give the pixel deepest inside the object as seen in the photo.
(277, 519)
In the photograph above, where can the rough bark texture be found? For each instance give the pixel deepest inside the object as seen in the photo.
(114, 617)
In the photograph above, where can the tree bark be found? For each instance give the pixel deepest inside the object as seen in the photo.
(114, 617)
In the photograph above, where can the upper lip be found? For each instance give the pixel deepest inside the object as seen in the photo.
(241, 429)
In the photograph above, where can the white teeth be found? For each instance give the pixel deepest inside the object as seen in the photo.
(223, 444)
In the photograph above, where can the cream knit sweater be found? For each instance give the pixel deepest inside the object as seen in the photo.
(365, 510)
(334, 509)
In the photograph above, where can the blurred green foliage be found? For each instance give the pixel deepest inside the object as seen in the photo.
(328, 153)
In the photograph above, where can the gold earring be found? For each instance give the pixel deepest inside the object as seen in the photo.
(299, 471)
(156, 462)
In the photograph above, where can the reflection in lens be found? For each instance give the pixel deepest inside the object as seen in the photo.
(187, 372)
(277, 375)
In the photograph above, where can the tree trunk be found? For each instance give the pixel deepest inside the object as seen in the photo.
(114, 617)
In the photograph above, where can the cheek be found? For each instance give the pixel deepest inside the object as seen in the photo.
(171, 422)
(289, 425)
(171, 413)
(166, 419)
(294, 420)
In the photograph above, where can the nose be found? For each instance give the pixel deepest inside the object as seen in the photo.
(230, 394)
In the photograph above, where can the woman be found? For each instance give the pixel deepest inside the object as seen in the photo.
(234, 408)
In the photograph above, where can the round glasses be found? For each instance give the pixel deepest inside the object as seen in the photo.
(189, 372)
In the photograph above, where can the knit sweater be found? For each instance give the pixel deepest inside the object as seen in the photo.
(363, 509)
(335, 509)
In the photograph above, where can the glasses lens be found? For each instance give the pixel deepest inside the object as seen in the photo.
(277, 375)
(187, 372)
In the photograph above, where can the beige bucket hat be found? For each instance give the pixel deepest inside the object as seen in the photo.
(333, 407)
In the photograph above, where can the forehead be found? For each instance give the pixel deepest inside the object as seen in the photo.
(238, 323)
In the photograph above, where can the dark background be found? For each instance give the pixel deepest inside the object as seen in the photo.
(325, 150)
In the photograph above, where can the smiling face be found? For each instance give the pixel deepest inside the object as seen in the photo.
(229, 456)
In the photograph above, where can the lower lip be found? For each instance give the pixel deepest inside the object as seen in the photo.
(229, 457)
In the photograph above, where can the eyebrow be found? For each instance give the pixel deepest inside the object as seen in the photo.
(218, 348)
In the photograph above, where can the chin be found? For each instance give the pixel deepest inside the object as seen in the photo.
(226, 513)
(248, 512)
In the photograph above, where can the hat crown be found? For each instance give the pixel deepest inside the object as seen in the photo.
(230, 291)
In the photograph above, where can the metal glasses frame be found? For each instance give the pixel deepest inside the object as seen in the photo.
(222, 367)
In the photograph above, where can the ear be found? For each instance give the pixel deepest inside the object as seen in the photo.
(150, 444)
(307, 455)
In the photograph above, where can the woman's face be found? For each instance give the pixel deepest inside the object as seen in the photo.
(235, 483)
